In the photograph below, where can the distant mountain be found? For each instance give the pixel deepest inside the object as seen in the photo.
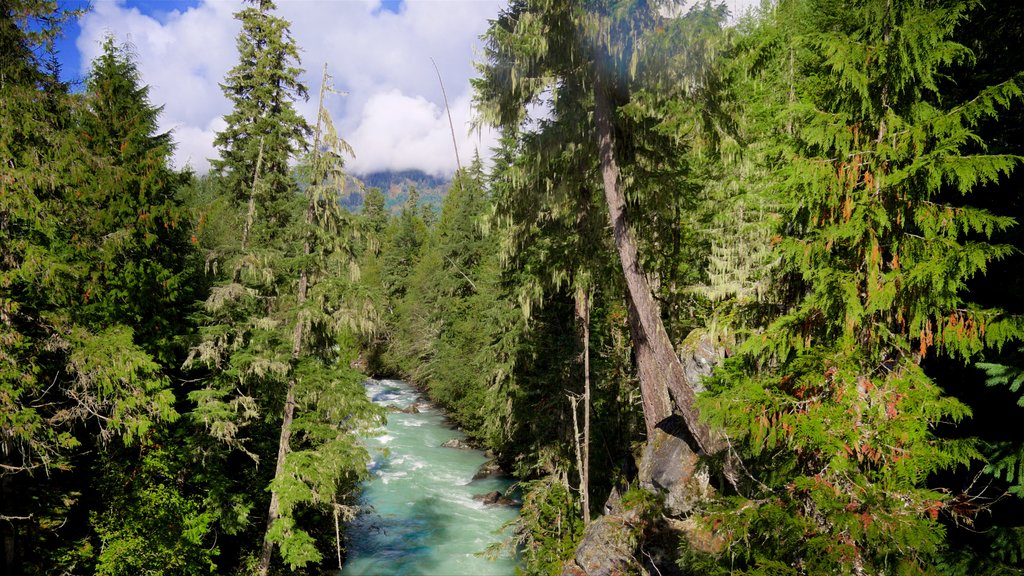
(395, 185)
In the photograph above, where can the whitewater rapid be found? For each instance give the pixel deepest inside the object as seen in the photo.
(421, 516)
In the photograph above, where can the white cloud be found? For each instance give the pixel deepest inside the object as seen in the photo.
(399, 132)
(381, 59)
(394, 113)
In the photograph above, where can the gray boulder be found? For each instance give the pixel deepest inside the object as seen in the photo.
(494, 497)
(670, 466)
(699, 353)
(489, 469)
(606, 549)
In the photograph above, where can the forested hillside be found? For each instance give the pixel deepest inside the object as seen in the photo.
(784, 250)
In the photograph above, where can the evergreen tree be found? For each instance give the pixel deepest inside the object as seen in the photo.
(264, 132)
(406, 235)
(836, 416)
(320, 458)
(375, 216)
(248, 318)
(143, 274)
(93, 274)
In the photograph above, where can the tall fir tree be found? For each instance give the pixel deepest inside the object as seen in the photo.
(264, 132)
(95, 280)
(144, 274)
(320, 458)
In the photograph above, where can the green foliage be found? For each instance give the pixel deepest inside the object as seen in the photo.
(1005, 459)
(277, 340)
(155, 522)
(263, 127)
(549, 526)
(834, 415)
(96, 276)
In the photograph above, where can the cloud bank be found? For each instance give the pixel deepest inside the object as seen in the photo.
(379, 53)
(393, 114)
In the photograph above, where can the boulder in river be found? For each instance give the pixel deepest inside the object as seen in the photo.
(494, 497)
(456, 443)
(489, 469)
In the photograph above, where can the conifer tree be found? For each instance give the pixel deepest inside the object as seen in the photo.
(320, 458)
(836, 416)
(264, 132)
(144, 275)
(93, 265)
(407, 234)
(246, 339)
(143, 278)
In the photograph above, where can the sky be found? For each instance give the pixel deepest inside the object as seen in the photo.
(378, 52)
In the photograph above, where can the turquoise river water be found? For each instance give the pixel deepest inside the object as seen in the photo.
(422, 518)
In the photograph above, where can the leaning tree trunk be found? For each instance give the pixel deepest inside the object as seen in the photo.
(661, 373)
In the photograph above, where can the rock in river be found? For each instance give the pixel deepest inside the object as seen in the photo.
(494, 497)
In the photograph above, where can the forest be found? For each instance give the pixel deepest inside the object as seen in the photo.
(788, 242)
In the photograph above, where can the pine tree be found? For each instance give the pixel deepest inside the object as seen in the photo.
(320, 458)
(142, 276)
(245, 343)
(406, 235)
(143, 273)
(84, 369)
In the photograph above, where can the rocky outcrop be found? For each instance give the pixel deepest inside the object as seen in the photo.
(606, 549)
(699, 353)
(670, 467)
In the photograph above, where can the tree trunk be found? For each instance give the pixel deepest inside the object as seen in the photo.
(661, 373)
(585, 473)
(283, 448)
(582, 302)
(250, 213)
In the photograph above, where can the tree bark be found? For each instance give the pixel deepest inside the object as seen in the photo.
(661, 373)
(250, 213)
(283, 448)
(583, 312)
(586, 409)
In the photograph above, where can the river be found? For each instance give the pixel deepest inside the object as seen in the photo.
(422, 517)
